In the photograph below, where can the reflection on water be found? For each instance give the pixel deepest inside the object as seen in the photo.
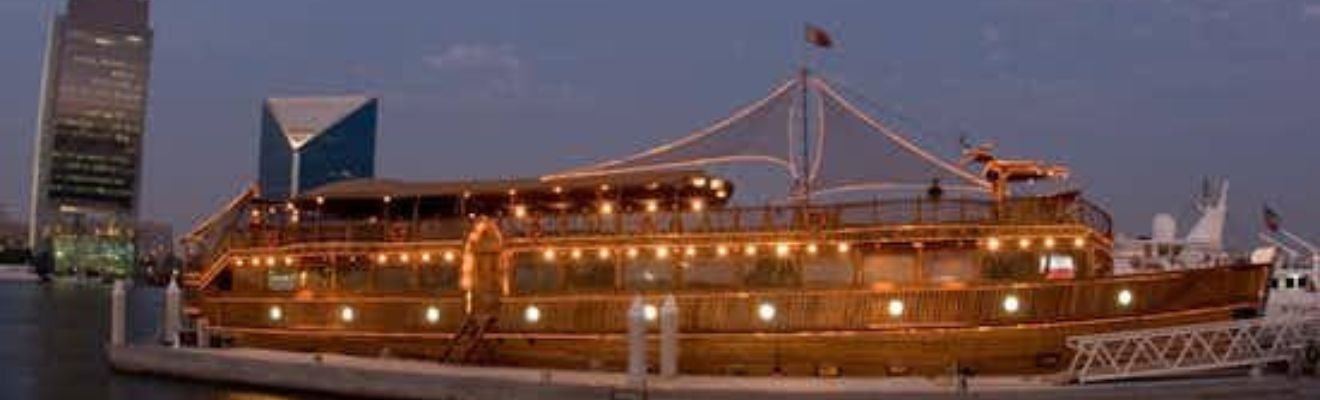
(51, 340)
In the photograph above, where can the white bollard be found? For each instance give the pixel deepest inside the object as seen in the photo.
(669, 337)
(637, 343)
(117, 313)
(170, 322)
(203, 337)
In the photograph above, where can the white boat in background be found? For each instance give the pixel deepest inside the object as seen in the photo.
(1296, 270)
(1163, 250)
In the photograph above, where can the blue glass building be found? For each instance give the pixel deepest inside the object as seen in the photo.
(311, 141)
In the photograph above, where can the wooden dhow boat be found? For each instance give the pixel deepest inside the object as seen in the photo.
(939, 265)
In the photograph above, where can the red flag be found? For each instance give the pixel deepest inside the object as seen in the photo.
(819, 37)
(1272, 219)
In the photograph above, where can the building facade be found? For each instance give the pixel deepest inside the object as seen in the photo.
(311, 141)
(88, 148)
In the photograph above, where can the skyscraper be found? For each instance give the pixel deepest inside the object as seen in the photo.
(88, 150)
(311, 141)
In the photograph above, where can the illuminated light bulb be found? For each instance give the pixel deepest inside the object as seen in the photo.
(576, 254)
(721, 194)
(288, 260)
(722, 251)
(559, 189)
(603, 253)
(650, 312)
(605, 187)
(388, 199)
(749, 250)
(1124, 298)
(320, 200)
(347, 314)
(662, 252)
(548, 254)
(270, 261)
(632, 252)
(238, 262)
(1011, 304)
(449, 256)
(766, 311)
(403, 257)
(812, 248)
(716, 184)
(426, 257)
(993, 244)
(699, 182)
(275, 313)
(1079, 242)
(844, 247)
(256, 261)
(690, 251)
(1049, 243)
(698, 205)
(1024, 243)
(532, 314)
(513, 192)
(606, 208)
(381, 258)
(895, 308)
(652, 206)
(520, 211)
(432, 315)
(781, 250)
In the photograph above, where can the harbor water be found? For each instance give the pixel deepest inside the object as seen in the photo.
(51, 347)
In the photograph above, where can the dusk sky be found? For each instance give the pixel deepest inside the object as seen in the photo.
(1141, 98)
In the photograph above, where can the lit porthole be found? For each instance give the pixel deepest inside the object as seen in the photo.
(432, 315)
(1011, 304)
(347, 314)
(766, 312)
(650, 312)
(1124, 298)
(275, 313)
(895, 308)
(532, 314)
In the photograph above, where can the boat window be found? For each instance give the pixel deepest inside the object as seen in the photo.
(950, 266)
(249, 279)
(1011, 266)
(282, 279)
(1274, 283)
(703, 273)
(352, 278)
(586, 275)
(1057, 266)
(1302, 281)
(881, 269)
(315, 278)
(774, 272)
(646, 274)
(531, 274)
(439, 277)
(393, 278)
(827, 271)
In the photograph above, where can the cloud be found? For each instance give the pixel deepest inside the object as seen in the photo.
(477, 56)
(1311, 11)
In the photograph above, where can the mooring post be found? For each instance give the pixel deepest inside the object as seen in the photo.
(636, 343)
(669, 337)
(170, 322)
(203, 338)
(117, 314)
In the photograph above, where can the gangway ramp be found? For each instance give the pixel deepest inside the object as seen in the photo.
(1191, 348)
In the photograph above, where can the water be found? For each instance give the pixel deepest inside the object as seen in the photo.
(51, 339)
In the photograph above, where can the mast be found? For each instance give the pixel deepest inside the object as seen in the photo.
(805, 184)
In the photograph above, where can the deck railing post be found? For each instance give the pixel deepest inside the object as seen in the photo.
(669, 337)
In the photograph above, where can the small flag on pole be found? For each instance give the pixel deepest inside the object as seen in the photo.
(819, 37)
(1272, 220)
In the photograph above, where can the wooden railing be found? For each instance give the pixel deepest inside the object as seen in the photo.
(921, 212)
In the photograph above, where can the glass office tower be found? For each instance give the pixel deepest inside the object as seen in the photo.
(311, 141)
(88, 150)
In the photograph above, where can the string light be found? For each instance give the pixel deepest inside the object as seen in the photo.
(992, 244)
(844, 247)
(781, 250)
(722, 250)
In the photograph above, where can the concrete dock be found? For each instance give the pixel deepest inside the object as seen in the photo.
(408, 379)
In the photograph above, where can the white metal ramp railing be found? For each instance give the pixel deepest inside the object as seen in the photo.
(1190, 348)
